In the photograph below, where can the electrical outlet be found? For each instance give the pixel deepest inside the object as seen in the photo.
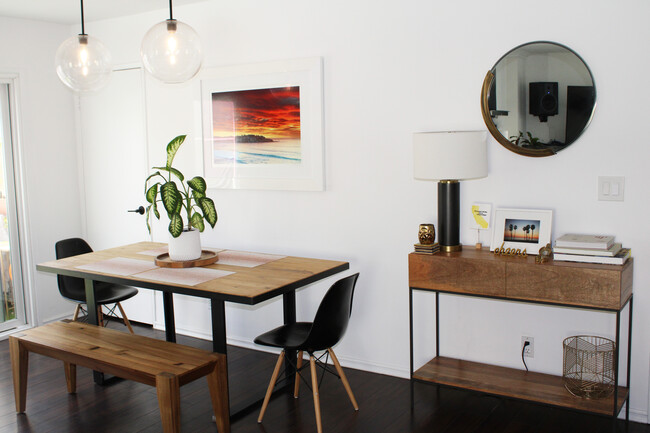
(529, 351)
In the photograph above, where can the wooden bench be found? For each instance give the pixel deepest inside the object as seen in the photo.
(167, 366)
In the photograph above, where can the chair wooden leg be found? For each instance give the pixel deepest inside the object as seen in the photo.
(76, 313)
(296, 386)
(314, 386)
(19, 366)
(218, 385)
(269, 391)
(126, 319)
(100, 316)
(169, 402)
(70, 377)
(343, 378)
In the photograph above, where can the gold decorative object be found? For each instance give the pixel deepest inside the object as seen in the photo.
(510, 251)
(588, 367)
(427, 234)
(545, 253)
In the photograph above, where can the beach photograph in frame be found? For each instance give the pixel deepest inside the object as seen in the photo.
(262, 126)
(528, 229)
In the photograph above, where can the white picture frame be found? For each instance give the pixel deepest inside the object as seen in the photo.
(230, 98)
(533, 229)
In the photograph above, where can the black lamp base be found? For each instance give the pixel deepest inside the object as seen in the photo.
(449, 215)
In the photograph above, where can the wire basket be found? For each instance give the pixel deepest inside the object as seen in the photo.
(588, 368)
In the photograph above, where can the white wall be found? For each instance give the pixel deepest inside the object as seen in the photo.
(48, 152)
(391, 69)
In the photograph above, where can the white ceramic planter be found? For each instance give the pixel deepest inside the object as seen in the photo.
(185, 247)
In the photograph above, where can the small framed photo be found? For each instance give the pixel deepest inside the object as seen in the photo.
(528, 229)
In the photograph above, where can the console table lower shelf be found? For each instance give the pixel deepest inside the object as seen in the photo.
(513, 383)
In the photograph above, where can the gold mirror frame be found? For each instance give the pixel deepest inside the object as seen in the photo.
(485, 110)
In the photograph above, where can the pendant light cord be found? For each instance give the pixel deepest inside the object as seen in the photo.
(83, 32)
(171, 17)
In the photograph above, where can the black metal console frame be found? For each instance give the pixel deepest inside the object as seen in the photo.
(628, 303)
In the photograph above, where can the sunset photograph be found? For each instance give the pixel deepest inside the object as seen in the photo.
(521, 230)
(260, 126)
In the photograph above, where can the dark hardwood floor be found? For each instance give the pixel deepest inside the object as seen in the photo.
(385, 404)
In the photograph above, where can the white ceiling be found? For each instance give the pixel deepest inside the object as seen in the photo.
(68, 11)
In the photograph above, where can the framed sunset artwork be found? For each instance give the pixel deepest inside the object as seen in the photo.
(262, 126)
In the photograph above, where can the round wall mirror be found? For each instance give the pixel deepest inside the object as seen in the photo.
(538, 98)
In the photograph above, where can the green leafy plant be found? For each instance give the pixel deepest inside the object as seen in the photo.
(520, 139)
(190, 199)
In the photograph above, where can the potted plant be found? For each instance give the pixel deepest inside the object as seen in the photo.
(186, 203)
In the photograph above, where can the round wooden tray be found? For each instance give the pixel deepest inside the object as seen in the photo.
(207, 258)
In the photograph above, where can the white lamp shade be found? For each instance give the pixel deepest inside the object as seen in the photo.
(83, 63)
(171, 52)
(457, 155)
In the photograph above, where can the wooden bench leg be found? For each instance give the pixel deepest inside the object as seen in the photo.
(169, 402)
(70, 377)
(19, 366)
(218, 385)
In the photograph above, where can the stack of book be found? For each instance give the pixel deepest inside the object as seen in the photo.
(427, 249)
(590, 249)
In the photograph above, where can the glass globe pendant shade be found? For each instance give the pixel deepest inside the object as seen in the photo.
(171, 52)
(83, 63)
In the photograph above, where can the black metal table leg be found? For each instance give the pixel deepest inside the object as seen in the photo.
(91, 305)
(219, 343)
(289, 308)
(170, 325)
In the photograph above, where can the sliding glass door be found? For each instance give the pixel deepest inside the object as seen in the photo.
(12, 306)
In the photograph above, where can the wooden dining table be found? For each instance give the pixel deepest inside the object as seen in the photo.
(238, 277)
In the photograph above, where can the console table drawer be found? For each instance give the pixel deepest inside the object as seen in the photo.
(444, 273)
(580, 286)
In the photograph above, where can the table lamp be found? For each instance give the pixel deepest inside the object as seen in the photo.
(449, 157)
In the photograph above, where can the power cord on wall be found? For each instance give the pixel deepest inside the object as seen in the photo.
(523, 351)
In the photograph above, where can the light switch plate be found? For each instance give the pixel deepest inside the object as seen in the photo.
(611, 188)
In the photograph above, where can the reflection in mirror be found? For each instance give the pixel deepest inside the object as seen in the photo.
(538, 98)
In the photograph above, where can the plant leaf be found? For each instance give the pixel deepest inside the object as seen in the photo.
(152, 193)
(146, 217)
(197, 221)
(198, 184)
(176, 225)
(155, 209)
(150, 176)
(209, 211)
(171, 198)
(197, 196)
(174, 171)
(172, 148)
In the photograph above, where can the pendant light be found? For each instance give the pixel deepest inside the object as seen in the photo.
(82, 62)
(171, 51)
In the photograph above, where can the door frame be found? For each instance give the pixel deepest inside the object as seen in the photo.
(22, 251)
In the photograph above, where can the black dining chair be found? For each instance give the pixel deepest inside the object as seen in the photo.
(325, 331)
(74, 290)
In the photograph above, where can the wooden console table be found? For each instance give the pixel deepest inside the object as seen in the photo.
(479, 273)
